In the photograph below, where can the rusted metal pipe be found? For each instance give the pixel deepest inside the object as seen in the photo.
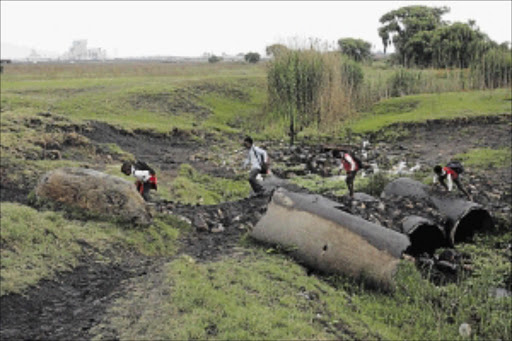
(464, 218)
(327, 239)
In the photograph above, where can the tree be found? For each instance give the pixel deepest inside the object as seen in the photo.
(275, 49)
(214, 59)
(357, 49)
(458, 45)
(252, 57)
(400, 27)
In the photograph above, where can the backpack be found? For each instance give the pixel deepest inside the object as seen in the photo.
(141, 165)
(357, 160)
(456, 166)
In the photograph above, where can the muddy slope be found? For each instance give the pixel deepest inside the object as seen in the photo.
(167, 151)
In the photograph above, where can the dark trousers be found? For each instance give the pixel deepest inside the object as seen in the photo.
(350, 182)
(256, 186)
(146, 186)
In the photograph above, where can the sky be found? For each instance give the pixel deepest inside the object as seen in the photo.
(191, 28)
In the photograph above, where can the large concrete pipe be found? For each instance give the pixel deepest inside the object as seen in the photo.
(424, 234)
(464, 217)
(330, 240)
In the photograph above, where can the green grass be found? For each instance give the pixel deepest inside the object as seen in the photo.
(269, 296)
(105, 93)
(36, 245)
(258, 297)
(373, 184)
(418, 108)
(193, 187)
(486, 158)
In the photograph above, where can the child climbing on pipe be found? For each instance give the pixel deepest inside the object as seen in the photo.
(451, 173)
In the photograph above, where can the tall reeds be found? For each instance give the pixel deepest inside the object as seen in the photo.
(493, 70)
(308, 87)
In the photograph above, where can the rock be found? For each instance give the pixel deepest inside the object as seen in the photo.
(184, 219)
(52, 154)
(53, 145)
(200, 223)
(218, 229)
(95, 192)
(465, 330)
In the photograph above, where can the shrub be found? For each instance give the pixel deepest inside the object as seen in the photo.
(352, 74)
(252, 57)
(404, 82)
(214, 59)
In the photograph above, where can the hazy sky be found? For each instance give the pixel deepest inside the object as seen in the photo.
(133, 28)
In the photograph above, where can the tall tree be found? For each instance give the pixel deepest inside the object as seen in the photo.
(400, 27)
(357, 49)
(458, 45)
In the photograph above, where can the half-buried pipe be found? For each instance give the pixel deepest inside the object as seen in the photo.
(325, 238)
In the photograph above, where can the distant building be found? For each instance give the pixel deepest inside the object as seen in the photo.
(35, 57)
(79, 51)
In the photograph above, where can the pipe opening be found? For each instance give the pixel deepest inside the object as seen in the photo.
(425, 238)
(469, 224)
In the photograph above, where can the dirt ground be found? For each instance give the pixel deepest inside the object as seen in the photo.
(68, 306)
(165, 151)
(440, 140)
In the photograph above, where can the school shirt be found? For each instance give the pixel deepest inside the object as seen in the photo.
(254, 161)
(348, 163)
(141, 175)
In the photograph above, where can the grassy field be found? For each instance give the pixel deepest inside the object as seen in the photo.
(137, 95)
(261, 294)
(418, 108)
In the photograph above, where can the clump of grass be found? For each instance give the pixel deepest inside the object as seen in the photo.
(321, 185)
(36, 245)
(372, 185)
(486, 157)
(193, 187)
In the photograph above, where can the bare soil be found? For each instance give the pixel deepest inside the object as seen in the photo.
(165, 151)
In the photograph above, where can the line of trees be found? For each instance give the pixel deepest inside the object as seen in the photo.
(421, 38)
